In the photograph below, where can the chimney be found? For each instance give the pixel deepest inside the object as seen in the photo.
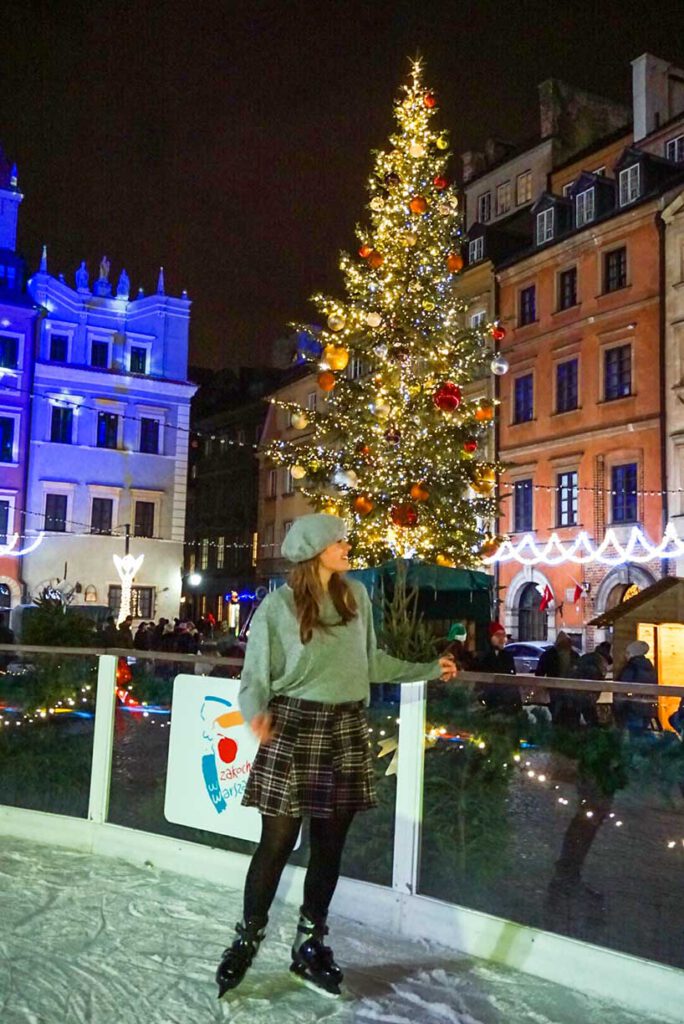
(657, 93)
(474, 163)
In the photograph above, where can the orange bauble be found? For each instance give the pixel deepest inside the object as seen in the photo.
(490, 547)
(418, 204)
(430, 100)
(336, 356)
(484, 412)
(365, 251)
(454, 263)
(446, 562)
(375, 259)
(363, 505)
(326, 380)
(419, 492)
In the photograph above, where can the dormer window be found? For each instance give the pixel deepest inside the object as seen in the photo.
(584, 207)
(630, 184)
(545, 226)
(674, 149)
(476, 249)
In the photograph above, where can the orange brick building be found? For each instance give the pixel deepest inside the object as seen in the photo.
(581, 425)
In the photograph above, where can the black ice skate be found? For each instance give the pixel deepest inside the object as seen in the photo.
(312, 961)
(238, 957)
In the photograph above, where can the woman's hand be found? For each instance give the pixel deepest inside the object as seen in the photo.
(262, 727)
(448, 667)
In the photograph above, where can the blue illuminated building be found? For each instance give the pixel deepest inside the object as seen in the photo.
(18, 319)
(109, 438)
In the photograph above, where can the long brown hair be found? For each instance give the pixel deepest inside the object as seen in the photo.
(308, 590)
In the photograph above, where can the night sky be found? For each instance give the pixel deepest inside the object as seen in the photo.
(231, 141)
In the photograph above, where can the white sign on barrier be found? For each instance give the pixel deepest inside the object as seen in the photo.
(211, 750)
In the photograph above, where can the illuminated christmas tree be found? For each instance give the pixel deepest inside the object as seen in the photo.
(396, 447)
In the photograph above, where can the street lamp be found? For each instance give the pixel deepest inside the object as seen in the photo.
(194, 579)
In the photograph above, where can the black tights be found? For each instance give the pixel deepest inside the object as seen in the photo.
(278, 837)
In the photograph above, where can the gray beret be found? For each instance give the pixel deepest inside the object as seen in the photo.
(309, 535)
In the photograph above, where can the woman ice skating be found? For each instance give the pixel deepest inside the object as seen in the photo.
(310, 658)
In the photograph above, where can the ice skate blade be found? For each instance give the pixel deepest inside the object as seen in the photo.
(332, 993)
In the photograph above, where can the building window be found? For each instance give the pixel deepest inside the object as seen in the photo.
(567, 288)
(269, 533)
(55, 513)
(566, 386)
(149, 436)
(4, 520)
(61, 428)
(615, 270)
(288, 482)
(478, 318)
(356, 368)
(566, 499)
(142, 601)
(484, 207)
(107, 430)
(99, 354)
(272, 488)
(476, 249)
(523, 410)
(138, 359)
(220, 552)
(674, 149)
(630, 184)
(204, 553)
(617, 372)
(624, 493)
(7, 424)
(144, 519)
(9, 352)
(101, 515)
(544, 226)
(523, 188)
(527, 306)
(286, 526)
(312, 400)
(522, 506)
(584, 207)
(503, 198)
(59, 348)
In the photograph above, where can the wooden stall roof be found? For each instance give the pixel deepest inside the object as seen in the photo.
(644, 597)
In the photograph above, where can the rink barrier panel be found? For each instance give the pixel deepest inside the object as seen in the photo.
(641, 985)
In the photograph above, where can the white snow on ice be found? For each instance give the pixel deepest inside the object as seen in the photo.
(92, 940)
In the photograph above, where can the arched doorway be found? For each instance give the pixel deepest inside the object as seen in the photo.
(5, 597)
(532, 624)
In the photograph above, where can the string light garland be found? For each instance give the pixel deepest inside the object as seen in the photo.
(583, 551)
(404, 422)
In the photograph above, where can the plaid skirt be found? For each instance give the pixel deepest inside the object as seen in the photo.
(318, 763)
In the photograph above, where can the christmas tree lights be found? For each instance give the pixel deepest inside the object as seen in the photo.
(395, 446)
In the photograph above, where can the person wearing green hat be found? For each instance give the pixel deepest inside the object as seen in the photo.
(311, 656)
(456, 647)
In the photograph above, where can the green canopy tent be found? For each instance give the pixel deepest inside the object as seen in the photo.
(443, 593)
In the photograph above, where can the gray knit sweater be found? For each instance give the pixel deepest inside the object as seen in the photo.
(337, 664)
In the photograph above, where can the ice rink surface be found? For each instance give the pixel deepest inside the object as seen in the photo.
(92, 940)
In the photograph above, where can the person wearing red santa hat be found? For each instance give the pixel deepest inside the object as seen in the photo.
(498, 661)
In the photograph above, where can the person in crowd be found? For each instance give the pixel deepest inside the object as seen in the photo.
(110, 634)
(157, 634)
(6, 634)
(558, 662)
(638, 713)
(126, 632)
(497, 660)
(457, 638)
(310, 658)
(143, 637)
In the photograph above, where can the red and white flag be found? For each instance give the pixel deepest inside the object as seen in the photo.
(547, 598)
(579, 592)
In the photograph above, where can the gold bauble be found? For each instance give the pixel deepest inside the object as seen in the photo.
(297, 472)
(299, 421)
(336, 322)
(336, 356)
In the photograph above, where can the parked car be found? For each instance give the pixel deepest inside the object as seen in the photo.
(526, 654)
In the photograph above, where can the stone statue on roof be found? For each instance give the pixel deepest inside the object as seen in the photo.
(82, 277)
